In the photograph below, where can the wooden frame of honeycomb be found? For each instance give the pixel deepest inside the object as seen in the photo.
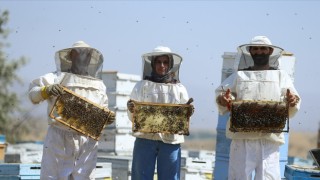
(161, 118)
(80, 114)
(259, 116)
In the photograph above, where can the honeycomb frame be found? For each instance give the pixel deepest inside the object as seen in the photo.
(259, 116)
(161, 118)
(80, 114)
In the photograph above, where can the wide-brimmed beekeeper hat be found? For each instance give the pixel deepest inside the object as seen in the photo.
(64, 62)
(148, 60)
(245, 59)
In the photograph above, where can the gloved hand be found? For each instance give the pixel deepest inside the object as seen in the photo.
(130, 106)
(54, 90)
(191, 110)
(225, 99)
(111, 118)
(292, 99)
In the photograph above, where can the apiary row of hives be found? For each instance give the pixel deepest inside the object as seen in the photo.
(116, 138)
(194, 165)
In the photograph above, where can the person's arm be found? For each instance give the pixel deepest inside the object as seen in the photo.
(135, 95)
(184, 96)
(225, 94)
(39, 88)
(289, 94)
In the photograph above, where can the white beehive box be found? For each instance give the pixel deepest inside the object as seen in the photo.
(228, 64)
(121, 166)
(116, 141)
(103, 171)
(202, 154)
(119, 82)
(192, 174)
(119, 87)
(117, 99)
(287, 62)
(122, 120)
(195, 168)
(195, 163)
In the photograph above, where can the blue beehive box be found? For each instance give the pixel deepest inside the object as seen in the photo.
(2, 139)
(19, 171)
(301, 173)
(15, 171)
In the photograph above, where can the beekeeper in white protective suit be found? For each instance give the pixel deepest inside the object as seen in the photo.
(257, 78)
(160, 84)
(66, 153)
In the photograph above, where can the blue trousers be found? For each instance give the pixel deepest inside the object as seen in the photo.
(145, 155)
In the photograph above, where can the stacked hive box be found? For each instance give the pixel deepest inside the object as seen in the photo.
(197, 165)
(116, 138)
(293, 172)
(121, 166)
(3, 146)
(14, 171)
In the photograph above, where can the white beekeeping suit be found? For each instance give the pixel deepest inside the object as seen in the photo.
(259, 151)
(148, 90)
(66, 153)
(160, 84)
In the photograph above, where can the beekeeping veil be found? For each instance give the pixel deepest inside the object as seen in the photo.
(174, 63)
(80, 59)
(245, 59)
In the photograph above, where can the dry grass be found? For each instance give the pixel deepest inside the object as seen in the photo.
(301, 142)
(200, 145)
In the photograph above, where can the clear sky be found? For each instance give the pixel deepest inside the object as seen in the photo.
(200, 31)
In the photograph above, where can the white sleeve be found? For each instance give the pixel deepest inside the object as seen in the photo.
(36, 85)
(136, 94)
(105, 99)
(184, 97)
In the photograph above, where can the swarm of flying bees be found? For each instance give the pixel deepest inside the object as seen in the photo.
(161, 118)
(80, 114)
(259, 116)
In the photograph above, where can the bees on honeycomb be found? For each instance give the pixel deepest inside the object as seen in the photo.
(259, 116)
(152, 118)
(80, 115)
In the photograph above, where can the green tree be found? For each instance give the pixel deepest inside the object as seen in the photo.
(9, 101)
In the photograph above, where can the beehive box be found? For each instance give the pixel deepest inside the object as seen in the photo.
(2, 151)
(301, 173)
(14, 171)
(119, 82)
(121, 166)
(122, 120)
(116, 141)
(161, 118)
(118, 99)
(196, 168)
(195, 174)
(80, 114)
(119, 87)
(259, 116)
(19, 171)
(103, 171)
(196, 163)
